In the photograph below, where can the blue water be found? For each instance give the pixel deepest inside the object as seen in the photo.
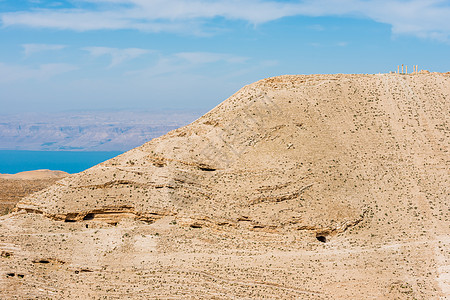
(14, 161)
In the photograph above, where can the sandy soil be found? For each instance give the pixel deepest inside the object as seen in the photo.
(35, 175)
(13, 187)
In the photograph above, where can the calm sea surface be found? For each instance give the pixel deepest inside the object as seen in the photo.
(14, 161)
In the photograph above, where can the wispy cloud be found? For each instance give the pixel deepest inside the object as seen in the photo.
(118, 56)
(29, 49)
(342, 44)
(423, 18)
(12, 73)
(185, 62)
(316, 27)
(209, 57)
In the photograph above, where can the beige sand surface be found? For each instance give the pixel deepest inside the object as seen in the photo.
(36, 174)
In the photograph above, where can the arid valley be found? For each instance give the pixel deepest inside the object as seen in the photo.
(296, 187)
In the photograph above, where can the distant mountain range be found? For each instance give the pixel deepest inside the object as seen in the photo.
(88, 131)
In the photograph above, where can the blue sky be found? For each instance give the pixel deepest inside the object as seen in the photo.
(178, 54)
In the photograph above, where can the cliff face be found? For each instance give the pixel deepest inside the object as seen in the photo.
(322, 186)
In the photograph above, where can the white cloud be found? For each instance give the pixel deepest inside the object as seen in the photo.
(314, 44)
(209, 57)
(118, 56)
(11, 73)
(316, 27)
(423, 18)
(185, 62)
(29, 49)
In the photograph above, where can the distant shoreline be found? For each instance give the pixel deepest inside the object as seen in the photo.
(88, 131)
(16, 161)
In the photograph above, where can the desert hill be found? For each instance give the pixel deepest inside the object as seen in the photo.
(311, 187)
(35, 175)
(16, 186)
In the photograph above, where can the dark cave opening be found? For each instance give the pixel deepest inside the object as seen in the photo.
(88, 217)
(43, 261)
(321, 238)
(207, 169)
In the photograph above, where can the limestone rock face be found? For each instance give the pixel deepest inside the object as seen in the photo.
(320, 186)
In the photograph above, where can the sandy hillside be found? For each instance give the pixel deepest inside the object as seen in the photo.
(34, 175)
(13, 187)
(296, 187)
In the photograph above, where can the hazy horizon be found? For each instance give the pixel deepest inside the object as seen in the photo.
(88, 130)
(147, 55)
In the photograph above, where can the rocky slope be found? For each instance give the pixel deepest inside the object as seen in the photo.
(311, 187)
